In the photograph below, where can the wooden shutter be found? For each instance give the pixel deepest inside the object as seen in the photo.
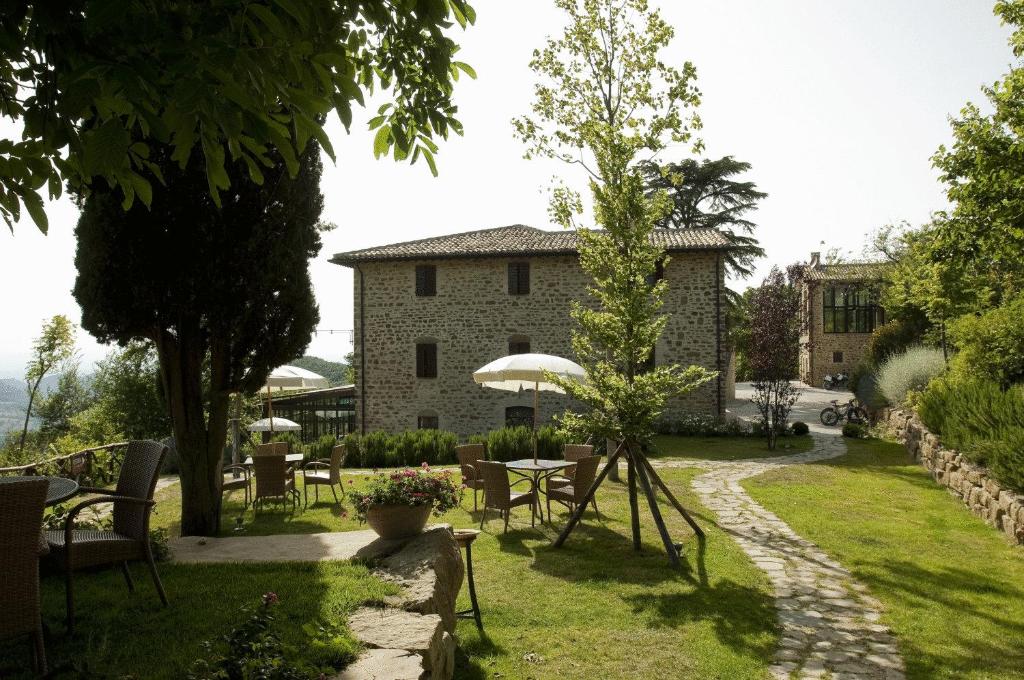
(518, 278)
(426, 360)
(426, 280)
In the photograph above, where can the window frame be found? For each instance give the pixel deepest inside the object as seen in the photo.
(516, 422)
(850, 308)
(420, 426)
(425, 280)
(518, 273)
(426, 360)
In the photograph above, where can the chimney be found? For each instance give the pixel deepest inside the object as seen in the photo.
(815, 260)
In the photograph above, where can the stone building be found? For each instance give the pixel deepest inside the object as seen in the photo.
(430, 312)
(839, 310)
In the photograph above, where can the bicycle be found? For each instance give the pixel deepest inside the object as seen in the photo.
(850, 412)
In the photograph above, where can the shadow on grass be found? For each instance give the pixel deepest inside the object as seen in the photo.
(474, 644)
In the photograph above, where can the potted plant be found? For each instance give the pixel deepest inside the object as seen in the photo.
(397, 504)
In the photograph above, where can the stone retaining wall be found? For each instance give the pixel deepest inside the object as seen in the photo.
(411, 637)
(1001, 508)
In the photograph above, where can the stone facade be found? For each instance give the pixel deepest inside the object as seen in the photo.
(1001, 508)
(823, 353)
(472, 318)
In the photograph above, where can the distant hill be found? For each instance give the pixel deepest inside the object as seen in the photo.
(334, 371)
(14, 401)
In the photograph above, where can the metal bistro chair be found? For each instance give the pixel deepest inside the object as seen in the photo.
(129, 540)
(237, 477)
(314, 474)
(274, 479)
(21, 516)
(468, 455)
(498, 492)
(572, 495)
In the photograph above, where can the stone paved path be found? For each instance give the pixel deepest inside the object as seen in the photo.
(830, 624)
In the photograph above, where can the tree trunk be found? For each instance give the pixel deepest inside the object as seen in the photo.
(199, 442)
(28, 414)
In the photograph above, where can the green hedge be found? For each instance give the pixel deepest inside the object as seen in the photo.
(516, 443)
(981, 420)
(411, 448)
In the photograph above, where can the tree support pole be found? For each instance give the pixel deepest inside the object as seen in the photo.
(672, 499)
(659, 521)
(578, 512)
(634, 510)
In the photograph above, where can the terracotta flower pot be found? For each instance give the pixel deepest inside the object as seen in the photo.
(397, 521)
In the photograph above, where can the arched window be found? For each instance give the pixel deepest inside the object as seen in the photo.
(519, 415)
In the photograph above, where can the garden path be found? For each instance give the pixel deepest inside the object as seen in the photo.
(830, 623)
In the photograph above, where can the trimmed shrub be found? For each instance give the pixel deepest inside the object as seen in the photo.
(295, 444)
(982, 421)
(800, 428)
(410, 448)
(853, 430)
(322, 447)
(550, 443)
(896, 337)
(510, 443)
(992, 345)
(912, 370)
(703, 425)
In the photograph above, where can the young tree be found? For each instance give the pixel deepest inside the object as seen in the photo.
(54, 346)
(604, 98)
(129, 394)
(774, 352)
(57, 408)
(705, 196)
(95, 84)
(223, 294)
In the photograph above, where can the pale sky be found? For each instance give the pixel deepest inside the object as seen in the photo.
(838, 106)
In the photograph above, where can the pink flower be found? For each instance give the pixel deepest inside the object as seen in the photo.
(425, 466)
(270, 598)
(350, 481)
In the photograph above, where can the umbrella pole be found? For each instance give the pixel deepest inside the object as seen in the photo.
(270, 410)
(536, 411)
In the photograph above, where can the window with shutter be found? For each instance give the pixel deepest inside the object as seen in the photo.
(426, 280)
(426, 360)
(518, 278)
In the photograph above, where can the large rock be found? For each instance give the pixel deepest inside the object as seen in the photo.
(421, 634)
(386, 664)
(429, 570)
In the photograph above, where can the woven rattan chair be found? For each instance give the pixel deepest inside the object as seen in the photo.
(326, 471)
(237, 477)
(572, 494)
(468, 455)
(129, 540)
(571, 453)
(498, 492)
(21, 516)
(274, 479)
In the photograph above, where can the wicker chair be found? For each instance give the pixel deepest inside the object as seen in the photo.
(274, 479)
(21, 516)
(571, 495)
(237, 477)
(313, 474)
(498, 492)
(468, 455)
(129, 540)
(571, 453)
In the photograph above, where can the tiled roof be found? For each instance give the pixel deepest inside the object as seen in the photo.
(518, 239)
(846, 271)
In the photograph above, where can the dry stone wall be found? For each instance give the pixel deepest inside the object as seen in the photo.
(1001, 508)
(472, 318)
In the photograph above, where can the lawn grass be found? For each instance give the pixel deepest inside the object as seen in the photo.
(594, 608)
(952, 587)
(131, 635)
(725, 448)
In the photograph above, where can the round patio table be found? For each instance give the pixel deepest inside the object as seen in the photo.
(60, 488)
(535, 471)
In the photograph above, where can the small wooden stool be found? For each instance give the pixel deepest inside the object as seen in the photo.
(465, 538)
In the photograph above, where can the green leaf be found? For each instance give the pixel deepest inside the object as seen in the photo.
(143, 189)
(465, 68)
(34, 205)
(382, 141)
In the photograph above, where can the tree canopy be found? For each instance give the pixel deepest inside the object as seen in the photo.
(705, 196)
(604, 96)
(223, 294)
(99, 85)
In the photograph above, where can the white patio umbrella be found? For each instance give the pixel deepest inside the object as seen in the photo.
(518, 372)
(290, 378)
(271, 424)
